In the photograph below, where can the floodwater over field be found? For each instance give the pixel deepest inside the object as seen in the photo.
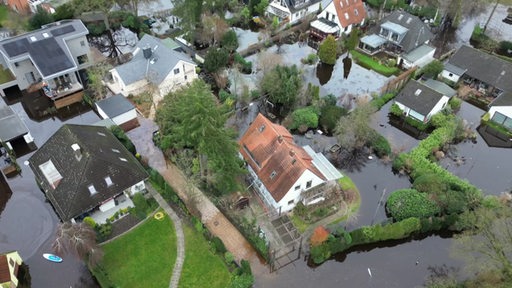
(28, 222)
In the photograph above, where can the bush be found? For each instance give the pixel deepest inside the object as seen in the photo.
(89, 221)
(241, 281)
(455, 103)
(104, 230)
(380, 145)
(246, 65)
(395, 110)
(329, 116)
(225, 95)
(382, 100)
(310, 59)
(121, 136)
(406, 203)
(142, 207)
(216, 59)
(307, 117)
(229, 41)
(218, 245)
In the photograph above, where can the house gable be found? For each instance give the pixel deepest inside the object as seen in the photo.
(278, 162)
(419, 98)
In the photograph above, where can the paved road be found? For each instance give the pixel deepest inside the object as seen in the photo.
(195, 199)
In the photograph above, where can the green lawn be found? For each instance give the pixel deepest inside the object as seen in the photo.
(150, 249)
(202, 268)
(5, 75)
(4, 11)
(369, 63)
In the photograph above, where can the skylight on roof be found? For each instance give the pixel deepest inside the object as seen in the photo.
(273, 174)
(46, 35)
(33, 38)
(51, 173)
(101, 133)
(92, 189)
(108, 181)
(115, 150)
(418, 92)
(123, 159)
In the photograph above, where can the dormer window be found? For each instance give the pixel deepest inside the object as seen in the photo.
(273, 174)
(92, 189)
(346, 15)
(262, 127)
(356, 12)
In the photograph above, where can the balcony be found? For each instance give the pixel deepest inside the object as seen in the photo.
(66, 88)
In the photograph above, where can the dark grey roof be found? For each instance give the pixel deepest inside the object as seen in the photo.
(422, 103)
(297, 5)
(11, 126)
(417, 31)
(166, 59)
(46, 47)
(504, 99)
(484, 67)
(102, 156)
(115, 105)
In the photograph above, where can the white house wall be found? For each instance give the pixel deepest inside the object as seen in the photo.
(77, 49)
(450, 76)
(21, 69)
(423, 61)
(505, 110)
(409, 112)
(441, 104)
(294, 195)
(125, 117)
(330, 11)
(173, 81)
(137, 188)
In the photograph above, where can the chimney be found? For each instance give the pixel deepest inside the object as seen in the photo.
(280, 139)
(147, 52)
(77, 151)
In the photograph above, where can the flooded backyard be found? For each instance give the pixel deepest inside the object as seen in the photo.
(28, 222)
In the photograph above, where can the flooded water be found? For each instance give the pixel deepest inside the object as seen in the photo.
(28, 222)
(486, 167)
(324, 72)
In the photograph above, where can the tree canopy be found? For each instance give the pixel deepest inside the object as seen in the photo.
(327, 50)
(282, 84)
(190, 118)
(216, 59)
(406, 203)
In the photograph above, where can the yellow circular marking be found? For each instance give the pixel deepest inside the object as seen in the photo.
(159, 216)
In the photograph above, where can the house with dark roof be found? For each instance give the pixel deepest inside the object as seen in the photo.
(292, 11)
(485, 73)
(10, 263)
(403, 35)
(49, 61)
(500, 110)
(338, 17)
(12, 128)
(153, 64)
(120, 110)
(282, 171)
(421, 101)
(85, 170)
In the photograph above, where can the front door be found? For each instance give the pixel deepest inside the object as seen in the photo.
(30, 77)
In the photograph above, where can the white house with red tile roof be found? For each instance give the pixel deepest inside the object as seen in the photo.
(340, 16)
(281, 169)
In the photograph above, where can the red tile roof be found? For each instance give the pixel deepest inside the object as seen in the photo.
(269, 149)
(5, 275)
(350, 7)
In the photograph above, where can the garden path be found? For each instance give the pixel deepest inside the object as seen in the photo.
(194, 198)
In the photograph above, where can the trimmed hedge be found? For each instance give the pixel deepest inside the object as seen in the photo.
(406, 203)
(378, 102)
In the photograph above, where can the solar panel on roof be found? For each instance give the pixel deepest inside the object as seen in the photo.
(16, 48)
(62, 30)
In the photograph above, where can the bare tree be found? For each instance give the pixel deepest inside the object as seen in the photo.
(213, 28)
(78, 239)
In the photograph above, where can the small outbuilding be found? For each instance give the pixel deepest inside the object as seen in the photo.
(120, 110)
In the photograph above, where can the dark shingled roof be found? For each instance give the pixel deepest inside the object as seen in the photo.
(102, 156)
(484, 67)
(418, 32)
(11, 126)
(504, 99)
(115, 105)
(422, 103)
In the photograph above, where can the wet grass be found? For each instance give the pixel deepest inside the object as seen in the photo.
(369, 63)
(149, 249)
(4, 12)
(202, 268)
(5, 74)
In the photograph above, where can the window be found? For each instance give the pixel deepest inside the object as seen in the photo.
(290, 202)
(308, 184)
(346, 15)
(332, 17)
(262, 127)
(92, 190)
(451, 74)
(356, 12)
(297, 187)
(16, 64)
(82, 43)
(384, 32)
(82, 59)
(108, 181)
(273, 174)
(176, 71)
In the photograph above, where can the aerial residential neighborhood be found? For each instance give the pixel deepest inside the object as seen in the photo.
(260, 143)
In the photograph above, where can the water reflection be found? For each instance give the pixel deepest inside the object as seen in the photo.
(347, 65)
(324, 72)
(5, 192)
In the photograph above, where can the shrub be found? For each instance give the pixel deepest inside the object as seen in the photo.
(380, 145)
(142, 207)
(245, 267)
(382, 100)
(307, 116)
(432, 69)
(329, 116)
(320, 235)
(229, 257)
(89, 221)
(229, 41)
(121, 136)
(300, 209)
(224, 95)
(246, 65)
(216, 59)
(455, 103)
(310, 59)
(241, 281)
(218, 245)
(395, 110)
(406, 203)
(327, 50)
(104, 230)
